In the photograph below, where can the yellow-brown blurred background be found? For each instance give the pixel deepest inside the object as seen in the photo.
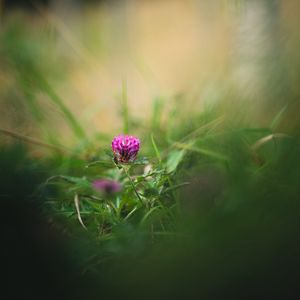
(204, 50)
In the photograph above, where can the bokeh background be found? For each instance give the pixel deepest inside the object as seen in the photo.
(198, 52)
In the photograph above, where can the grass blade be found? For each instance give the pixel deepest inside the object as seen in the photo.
(76, 202)
(71, 120)
(155, 148)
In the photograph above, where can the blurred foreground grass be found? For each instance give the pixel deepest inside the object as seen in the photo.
(220, 188)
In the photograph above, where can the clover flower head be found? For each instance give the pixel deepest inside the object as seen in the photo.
(107, 186)
(125, 148)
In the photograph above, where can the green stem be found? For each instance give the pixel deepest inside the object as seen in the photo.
(132, 184)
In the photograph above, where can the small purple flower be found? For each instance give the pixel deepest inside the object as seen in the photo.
(125, 148)
(107, 186)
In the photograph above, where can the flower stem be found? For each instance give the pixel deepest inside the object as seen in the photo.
(132, 184)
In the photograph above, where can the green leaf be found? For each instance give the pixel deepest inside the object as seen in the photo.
(102, 163)
(148, 192)
(131, 213)
(146, 216)
(141, 161)
(174, 159)
(174, 187)
(203, 151)
(80, 182)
